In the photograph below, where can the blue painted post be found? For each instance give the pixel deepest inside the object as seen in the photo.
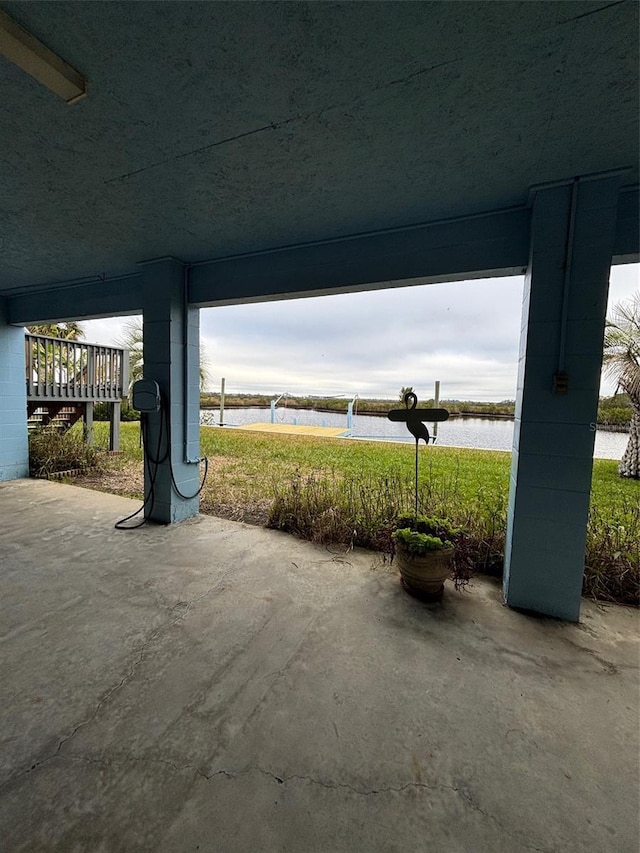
(350, 416)
(273, 411)
(14, 446)
(171, 335)
(564, 307)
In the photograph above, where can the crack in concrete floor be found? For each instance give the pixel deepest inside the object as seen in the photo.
(186, 608)
(282, 779)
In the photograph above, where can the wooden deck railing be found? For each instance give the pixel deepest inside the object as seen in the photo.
(60, 370)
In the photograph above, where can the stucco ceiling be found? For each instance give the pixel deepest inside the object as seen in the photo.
(220, 128)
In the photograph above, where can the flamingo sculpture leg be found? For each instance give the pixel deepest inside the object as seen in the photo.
(418, 430)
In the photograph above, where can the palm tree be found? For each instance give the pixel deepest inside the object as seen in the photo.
(68, 331)
(622, 362)
(132, 340)
(56, 362)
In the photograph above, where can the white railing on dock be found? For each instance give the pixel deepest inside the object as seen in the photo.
(58, 369)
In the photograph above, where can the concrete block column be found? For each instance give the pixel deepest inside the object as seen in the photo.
(14, 445)
(564, 308)
(171, 352)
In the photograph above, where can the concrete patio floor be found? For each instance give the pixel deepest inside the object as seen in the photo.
(218, 687)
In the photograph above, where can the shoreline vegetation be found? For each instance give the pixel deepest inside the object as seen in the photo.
(614, 413)
(349, 494)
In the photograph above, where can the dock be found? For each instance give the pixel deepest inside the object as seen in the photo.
(296, 429)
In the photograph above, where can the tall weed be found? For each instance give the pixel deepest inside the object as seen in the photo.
(332, 508)
(612, 560)
(362, 512)
(51, 451)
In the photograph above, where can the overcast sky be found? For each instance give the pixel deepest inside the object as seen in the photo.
(466, 334)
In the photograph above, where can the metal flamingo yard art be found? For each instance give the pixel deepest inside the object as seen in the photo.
(414, 418)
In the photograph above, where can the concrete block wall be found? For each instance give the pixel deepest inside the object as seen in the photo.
(573, 229)
(165, 349)
(14, 448)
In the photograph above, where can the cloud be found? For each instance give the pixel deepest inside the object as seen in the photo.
(466, 334)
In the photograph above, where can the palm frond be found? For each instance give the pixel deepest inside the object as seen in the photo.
(132, 339)
(621, 357)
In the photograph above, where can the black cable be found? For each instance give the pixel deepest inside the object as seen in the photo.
(144, 431)
(158, 460)
(173, 479)
(164, 427)
(195, 494)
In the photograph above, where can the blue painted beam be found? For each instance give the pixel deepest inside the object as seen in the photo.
(88, 300)
(492, 244)
(475, 247)
(626, 245)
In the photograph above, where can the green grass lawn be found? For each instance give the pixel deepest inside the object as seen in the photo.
(340, 490)
(260, 465)
(261, 462)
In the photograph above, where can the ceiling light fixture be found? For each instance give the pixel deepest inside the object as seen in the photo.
(41, 63)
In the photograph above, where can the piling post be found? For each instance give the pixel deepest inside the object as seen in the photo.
(436, 402)
(222, 401)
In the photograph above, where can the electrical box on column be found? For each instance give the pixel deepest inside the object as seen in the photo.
(146, 396)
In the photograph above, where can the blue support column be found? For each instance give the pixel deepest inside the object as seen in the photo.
(171, 353)
(564, 308)
(14, 447)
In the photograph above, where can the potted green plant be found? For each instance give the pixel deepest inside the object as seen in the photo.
(424, 549)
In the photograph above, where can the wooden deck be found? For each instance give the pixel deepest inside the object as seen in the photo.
(65, 379)
(296, 429)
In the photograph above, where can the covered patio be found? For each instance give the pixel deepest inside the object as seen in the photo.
(159, 158)
(209, 686)
(218, 687)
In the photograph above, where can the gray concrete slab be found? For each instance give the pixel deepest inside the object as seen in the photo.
(218, 687)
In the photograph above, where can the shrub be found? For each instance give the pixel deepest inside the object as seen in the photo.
(421, 534)
(51, 450)
(429, 525)
(615, 417)
(417, 543)
(615, 411)
(102, 412)
(128, 413)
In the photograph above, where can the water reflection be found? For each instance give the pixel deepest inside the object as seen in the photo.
(480, 433)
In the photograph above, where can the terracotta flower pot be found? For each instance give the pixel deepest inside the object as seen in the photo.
(424, 576)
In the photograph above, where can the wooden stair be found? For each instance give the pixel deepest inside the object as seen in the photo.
(59, 416)
(65, 379)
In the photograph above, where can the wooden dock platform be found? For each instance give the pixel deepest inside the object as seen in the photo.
(296, 429)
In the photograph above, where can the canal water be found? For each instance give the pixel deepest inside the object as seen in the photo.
(481, 433)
